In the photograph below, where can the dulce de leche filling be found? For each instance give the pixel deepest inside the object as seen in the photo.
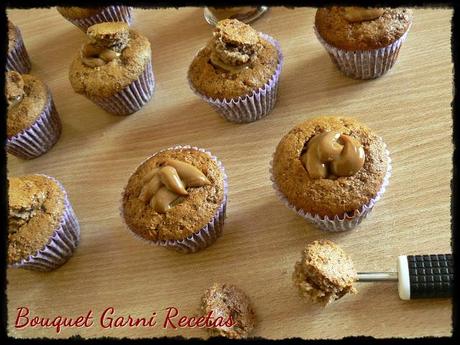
(106, 43)
(166, 185)
(361, 14)
(234, 45)
(331, 155)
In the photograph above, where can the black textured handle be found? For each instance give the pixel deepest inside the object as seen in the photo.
(431, 276)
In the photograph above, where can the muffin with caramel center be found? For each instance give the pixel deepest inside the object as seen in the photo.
(173, 194)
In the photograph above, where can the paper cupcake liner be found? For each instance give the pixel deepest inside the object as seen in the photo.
(40, 136)
(132, 98)
(108, 14)
(251, 107)
(366, 64)
(61, 245)
(338, 223)
(18, 59)
(208, 234)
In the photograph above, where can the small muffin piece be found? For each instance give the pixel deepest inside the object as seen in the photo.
(112, 36)
(325, 272)
(227, 300)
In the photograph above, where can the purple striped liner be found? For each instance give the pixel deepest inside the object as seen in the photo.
(61, 244)
(108, 14)
(254, 106)
(132, 98)
(18, 59)
(339, 222)
(40, 137)
(208, 234)
(366, 64)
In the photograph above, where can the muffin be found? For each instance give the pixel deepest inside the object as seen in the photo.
(177, 199)
(331, 171)
(228, 301)
(363, 42)
(325, 273)
(33, 123)
(17, 58)
(86, 17)
(237, 72)
(43, 230)
(114, 68)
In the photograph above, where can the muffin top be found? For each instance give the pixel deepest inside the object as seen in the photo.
(358, 28)
(112, 58)
(325, 272)
(234, 63)
(13, 35)
(27, 97)
(330, 194)
(225, 300)
(78, 12)
(173, 194)
(36, 206)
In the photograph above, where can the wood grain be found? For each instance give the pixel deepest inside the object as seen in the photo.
(409, 108)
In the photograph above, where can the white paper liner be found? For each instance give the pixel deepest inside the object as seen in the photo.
(40, 136)
(61, 245)
(208, 234)
(108, 14)
(132, 98)
(251, 107)
(18, 59)
(339, 222)
(366, 64)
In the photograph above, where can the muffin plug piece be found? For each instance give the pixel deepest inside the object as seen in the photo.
(325, 272)
(234, 45)
(226, 300)
(106, 42)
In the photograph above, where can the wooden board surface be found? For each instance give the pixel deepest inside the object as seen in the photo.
(409, 108)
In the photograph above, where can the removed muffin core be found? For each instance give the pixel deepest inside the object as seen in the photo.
(325, 273)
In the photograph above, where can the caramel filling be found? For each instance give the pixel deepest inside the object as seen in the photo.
(93, 56)
(166, 186)
(332, 154)
(359, 14)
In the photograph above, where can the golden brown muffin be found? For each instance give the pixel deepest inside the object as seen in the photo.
(27, 97)
(325, 272)
(112, 59)
(235, 62)
(72, 12)
(227, 300)
(36, 205)
(186, 215)
(349, 29)
(329, 196)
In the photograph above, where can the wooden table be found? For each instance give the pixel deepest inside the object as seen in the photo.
(409, 108)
